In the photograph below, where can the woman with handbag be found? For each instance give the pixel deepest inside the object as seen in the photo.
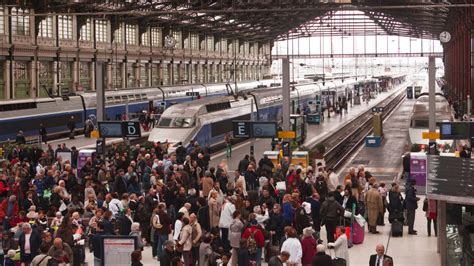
(235, 233)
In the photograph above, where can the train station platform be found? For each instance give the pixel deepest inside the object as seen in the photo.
(385, 162)
(315, 133)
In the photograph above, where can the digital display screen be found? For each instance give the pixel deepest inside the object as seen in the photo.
(110, 129)
(455, 130)
(264, 129)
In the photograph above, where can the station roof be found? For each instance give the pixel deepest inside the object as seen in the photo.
(268, 20)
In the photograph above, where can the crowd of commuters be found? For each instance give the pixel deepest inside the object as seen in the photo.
(188, 211)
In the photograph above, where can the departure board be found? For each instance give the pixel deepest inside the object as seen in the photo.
(450, 179)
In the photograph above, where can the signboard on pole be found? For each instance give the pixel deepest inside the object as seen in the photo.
(131, 129)
(117, 250)
(110, 129)
(455, 130)
(241, 129)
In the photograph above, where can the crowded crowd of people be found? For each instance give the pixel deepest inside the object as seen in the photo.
(188, 211)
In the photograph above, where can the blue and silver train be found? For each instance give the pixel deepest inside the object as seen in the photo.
(54, 113)
(208, 120)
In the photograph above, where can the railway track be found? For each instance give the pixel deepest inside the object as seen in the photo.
(340, 146)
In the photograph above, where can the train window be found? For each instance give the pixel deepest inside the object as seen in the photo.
(183, 122)
(165, 122)
(17, 106)
(124, 97)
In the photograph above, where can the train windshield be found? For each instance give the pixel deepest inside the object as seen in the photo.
(420, 123)
(176, 122)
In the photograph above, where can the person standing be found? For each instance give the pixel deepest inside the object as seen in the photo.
(226, 220)
(406, 167)
(374, 205)
(43, 133)
(321, 258)
(29, 243)
(228, 143)
(162, 225)
(235, 232)
(378, 259)
(430, 208)
(71, 125)
(293, 246)
(331, 212)
(411, 203)
(340, 246)
(186, 241)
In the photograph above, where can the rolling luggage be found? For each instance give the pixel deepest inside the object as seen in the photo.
(397, 228)
(348, 233)
(358, 233)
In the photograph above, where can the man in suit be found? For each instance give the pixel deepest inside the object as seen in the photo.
(29, 241)
(378, 259)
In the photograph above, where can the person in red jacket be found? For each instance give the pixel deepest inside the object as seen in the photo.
(8, 209)
(308, 243)
(257, 234)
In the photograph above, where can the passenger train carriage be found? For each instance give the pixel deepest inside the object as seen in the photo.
(54, 113)
(208, 120)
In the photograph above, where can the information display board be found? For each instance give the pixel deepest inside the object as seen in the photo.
(117, 250)
(110, 129)
(264, 129)
(455, 130)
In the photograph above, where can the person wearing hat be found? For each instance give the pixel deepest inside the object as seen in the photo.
(321, 258)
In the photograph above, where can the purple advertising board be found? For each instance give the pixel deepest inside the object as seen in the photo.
(418, 167)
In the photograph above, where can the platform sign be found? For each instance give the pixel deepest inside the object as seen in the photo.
(455, 130)
(110, 129)
(100, 146)
(430, 135)
(286, 134)
(131, 129)
(241, 129)
(264, 129)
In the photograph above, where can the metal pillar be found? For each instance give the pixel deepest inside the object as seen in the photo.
(99, 87)
(432, 102)
(442, 234)
(252, 118)
(285, 64)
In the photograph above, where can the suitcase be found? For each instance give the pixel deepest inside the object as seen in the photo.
(358, 233)
(397, 228)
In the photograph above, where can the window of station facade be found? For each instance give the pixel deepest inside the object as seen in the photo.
(20, 21)
(224, 46)
(143, 75)
(210, 43)
(155, 75)
(217, 45)
(22, 79)
(155, 37)
(131, 79)
(46, 27)
(45, 76)
(177, 36)
(118, 34)
(65, 27)
(145, 38)
(85, 75)
(101, 30)
(165, 75)
(194, 42)
(186, 42)
(2, 23)
(86, 31)
(116, 75)
(131, 34)
(176, 71)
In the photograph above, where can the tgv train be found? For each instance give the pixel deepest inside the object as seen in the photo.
(54, 113)
(208, 120)
(419, 118)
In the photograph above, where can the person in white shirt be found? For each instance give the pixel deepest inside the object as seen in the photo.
(178, 225)
(113, 204)
(333, 180)
(292, 245)
(340, 246)
(226, 220)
